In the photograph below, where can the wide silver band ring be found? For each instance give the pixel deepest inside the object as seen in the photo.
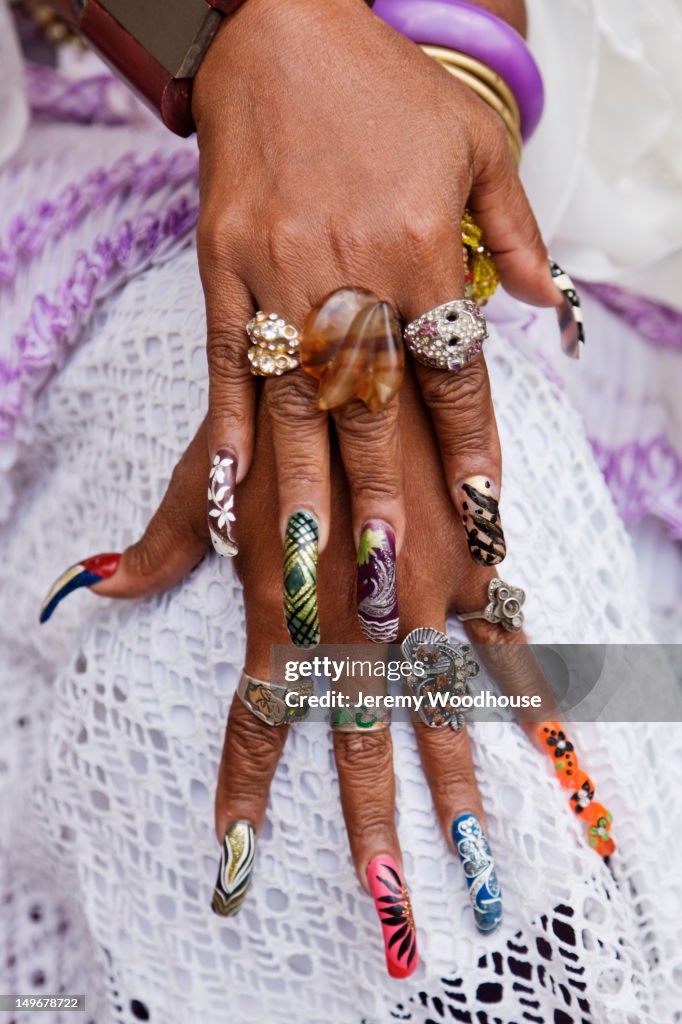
(444, 674)
(448, 336)
(504, 607)
(268, 701)
(273, 348)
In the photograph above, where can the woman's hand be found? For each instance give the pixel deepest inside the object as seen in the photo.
(435, 574)
(334, 152)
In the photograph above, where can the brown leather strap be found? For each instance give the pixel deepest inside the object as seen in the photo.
(228, 6)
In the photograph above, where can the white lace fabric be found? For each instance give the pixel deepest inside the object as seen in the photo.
(113, 717)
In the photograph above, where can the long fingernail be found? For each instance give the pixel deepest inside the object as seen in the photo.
(221, 483)
(236, 865)
(599, 829)
(300, 579)
(84, 574)
(393, 906)
(377, 589)
(479, 871)
(477, 498)
(571, 776)
(569, 313)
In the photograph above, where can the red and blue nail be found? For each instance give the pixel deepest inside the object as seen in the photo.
(392, 903)
(84, 574)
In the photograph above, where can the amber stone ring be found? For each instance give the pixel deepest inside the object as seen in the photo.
(274, 345)
(448, 336)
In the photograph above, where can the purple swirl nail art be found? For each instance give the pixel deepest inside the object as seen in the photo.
(377, 590)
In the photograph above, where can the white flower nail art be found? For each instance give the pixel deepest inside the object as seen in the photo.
(221, 481)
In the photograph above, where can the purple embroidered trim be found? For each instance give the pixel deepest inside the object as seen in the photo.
(56, 320)
(97, 99)
(644, 479)
(27, 235)
(659, 324)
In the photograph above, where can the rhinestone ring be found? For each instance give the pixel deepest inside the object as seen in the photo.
(448, 336)
(445, 670)
(274, 345)
(503, 608)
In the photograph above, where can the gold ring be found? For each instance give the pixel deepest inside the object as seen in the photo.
(274, 345)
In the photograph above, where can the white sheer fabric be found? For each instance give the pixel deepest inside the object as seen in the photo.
(113, 719)
(112, 714)
(604, 170)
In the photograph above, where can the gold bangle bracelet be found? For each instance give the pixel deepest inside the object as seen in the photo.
(480, 70)
(494, 102)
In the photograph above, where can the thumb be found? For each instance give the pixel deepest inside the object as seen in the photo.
(500, 206)
(175, 540)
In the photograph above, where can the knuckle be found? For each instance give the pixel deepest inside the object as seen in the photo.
(364, 757)
(360, 422)
(285, 241)
(218, 234)
(464, 392)
(369, 442)
(229, 420)
(438, 390)
(348, 241)
(256, 744)
(374, 488)
(450, 758)
(292, 398)
(226, 355)
(145, 556)
(424, 230)
(370, 825)
(308, 478)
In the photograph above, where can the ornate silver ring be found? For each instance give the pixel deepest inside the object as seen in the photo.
(448, 336)
(504, 607)
(441, 671)
(268, 702)
(274, 345)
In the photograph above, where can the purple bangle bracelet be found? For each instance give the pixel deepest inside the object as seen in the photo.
(472, 30)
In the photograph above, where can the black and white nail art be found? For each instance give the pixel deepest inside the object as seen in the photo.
(570, 314)
(234, 873)
(481, 519)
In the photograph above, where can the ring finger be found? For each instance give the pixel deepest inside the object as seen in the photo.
(460, 402)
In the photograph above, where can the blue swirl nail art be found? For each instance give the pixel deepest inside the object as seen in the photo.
(479, 871)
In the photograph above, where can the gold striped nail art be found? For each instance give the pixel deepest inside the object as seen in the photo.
(236, 865)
